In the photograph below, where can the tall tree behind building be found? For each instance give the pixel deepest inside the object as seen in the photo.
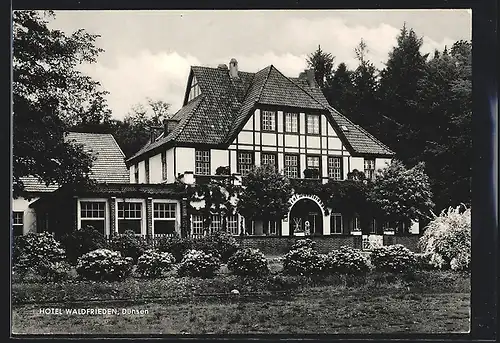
(322, 62)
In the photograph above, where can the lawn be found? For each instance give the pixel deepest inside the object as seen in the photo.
(428, 302)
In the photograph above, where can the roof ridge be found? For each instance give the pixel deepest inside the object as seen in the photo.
(373, 138)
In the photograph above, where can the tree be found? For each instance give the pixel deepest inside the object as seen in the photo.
(49, 93)
(402, 194)
(322, 63)
(265, 195)
(340, 91)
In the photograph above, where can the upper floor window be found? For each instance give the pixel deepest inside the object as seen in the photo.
(146, 167)
(335, 168)
(268, 159)
(268, 121)
(136, 173)
(202, 162)
(17, 223)
(164, 165)
(370, 168)
(194, 90)
(291, 122)
(291, 166)
(313, 124)
(245, 162)
(313, 163)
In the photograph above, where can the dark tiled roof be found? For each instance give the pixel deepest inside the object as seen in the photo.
(217, 115)
(108, 167)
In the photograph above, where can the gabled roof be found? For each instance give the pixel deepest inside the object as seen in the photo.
(108, 167)
(217, 115)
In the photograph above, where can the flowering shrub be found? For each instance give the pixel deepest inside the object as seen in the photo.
(447, 239)
(394, 258)
(176, 245)
(37, 252)
(218, 243)
(129, 245)
(198, 263)
(104, 264)
(154, 263)
(346, 260)
(423, 261)
(303, 243)
(79, 242)
(303, 261)
(248, 262)
(54, 271)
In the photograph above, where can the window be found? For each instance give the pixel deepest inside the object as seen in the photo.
(272, 228)
(291, 122)
(130, 217)
(164, 218)
(164, 172)
(194, 90)
(291, 166)
(197, 225)
(245, 162)
(249, 227)
(402, 227)
(202, 162)
(369, 169)
(313, 124)
(373, 227)
(136, 173)
(146, 166)
(336, 223)
(232, 225)
(267, 159)
(335, 168)
(17, 223)
(92, 213)
(268, 121)
(356, 226)
(216, 224)
(313, 162)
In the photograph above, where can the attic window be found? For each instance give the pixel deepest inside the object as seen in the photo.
(344, 128)
(194, 89)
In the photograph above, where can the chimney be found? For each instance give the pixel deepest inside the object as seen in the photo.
(154, 131)
(222, 66)
(311, 78)
(169, 126)
(233, 68)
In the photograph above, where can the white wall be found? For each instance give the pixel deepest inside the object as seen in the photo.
(155, 169)
(29, 217)
(218, 158)
(184, 160)
(142, 172)
(380, 163)
(170, 166)
(358, 163)
(132, 175)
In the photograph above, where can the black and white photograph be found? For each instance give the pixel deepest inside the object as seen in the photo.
(253, 172)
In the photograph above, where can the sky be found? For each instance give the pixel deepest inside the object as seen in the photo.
(148, 54)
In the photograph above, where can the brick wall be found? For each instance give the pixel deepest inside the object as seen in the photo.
(149, 220)
(270, 245)
(411, 242)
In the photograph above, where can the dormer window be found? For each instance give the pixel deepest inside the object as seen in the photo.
(194, 90)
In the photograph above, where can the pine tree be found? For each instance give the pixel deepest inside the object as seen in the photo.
(322, 62)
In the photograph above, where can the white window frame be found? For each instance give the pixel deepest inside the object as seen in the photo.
(202, 167)
(291, 118)
(198, 220)
(333, 222)
(268, 120)
(269, 226)
(177, 214)
(136, 172)
(14, 224)
(143, 213)
(249, 227)
(235, 231)
(269, 156)
(215, 223)
(373, 226)
(369, 168)
(287, 171)
(106, 213)
(334, 171)
(311, 127)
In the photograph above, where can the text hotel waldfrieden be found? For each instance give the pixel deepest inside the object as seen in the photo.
(91, 311)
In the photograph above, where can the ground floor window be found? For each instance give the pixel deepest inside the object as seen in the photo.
(93, 213)
(216, 224)
(336, 223)
(355, 224)
(17, 223)
(232, 225)
(197, 225)
(272, 228)
(373, 226)
(164, 218)
(130, 217)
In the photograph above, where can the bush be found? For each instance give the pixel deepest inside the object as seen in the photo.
(198, 263)
(129, 245)
(447, 239)
(423, 262)
(304, 243)
(303, 261)
(221, 243)
(104, 265)
(37, 252)
(346, 260)
(248, 262)
(393, 258)
(55, 271)
(79, 242)
(154, 263)
(176, 245)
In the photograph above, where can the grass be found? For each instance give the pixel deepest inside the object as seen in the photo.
(320, 310)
